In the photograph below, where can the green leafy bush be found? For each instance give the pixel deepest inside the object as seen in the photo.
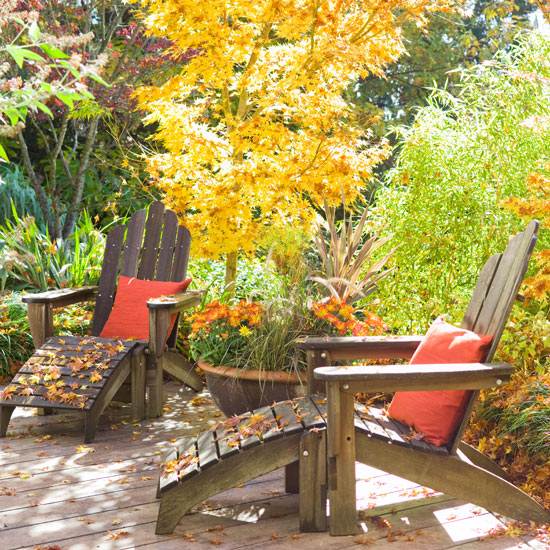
(457, 162)
(30, 259)
(16, 194)
(255, 279)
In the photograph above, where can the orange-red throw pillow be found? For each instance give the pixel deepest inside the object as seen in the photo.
(129, 318)
(437, 414)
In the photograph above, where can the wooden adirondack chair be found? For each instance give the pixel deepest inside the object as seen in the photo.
(151, 246)
(293, 433)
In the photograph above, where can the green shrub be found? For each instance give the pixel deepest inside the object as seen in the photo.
(30, 259)
(457, 162)
(15, 337)
(255, 279)
(16, 194)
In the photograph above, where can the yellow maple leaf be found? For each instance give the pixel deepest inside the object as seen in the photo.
(95, 377)
(84, 449)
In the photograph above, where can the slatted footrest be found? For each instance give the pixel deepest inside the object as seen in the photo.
(237, 434)
(191, 456)
(67, 372)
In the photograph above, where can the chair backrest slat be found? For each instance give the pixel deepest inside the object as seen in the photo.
(153, 230)
(161, 255)
(480, 292)
(505, 286)
(493, 297)
(108, 278)
(132, 246)
(181, 257)
(167, 246)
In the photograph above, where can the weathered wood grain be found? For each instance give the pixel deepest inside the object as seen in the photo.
(167, 246)
(108, 278)
(341, 461)
(105, 486)
(181, 254)
(313, 482)
(149, 253)
(132, 244)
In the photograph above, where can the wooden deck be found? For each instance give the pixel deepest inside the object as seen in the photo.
(56, 493)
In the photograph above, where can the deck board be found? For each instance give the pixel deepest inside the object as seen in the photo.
(80, 499)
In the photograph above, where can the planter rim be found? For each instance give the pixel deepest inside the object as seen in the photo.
(244, 374)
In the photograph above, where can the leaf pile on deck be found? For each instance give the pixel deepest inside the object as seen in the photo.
(42, 376)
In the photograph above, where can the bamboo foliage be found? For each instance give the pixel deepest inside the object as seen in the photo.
(344, 252)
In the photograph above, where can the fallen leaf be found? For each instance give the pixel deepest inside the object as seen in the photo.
(363, 540)
(200, 400)
(86, 520)
(95, 377)
(117, 535)
(84, 449)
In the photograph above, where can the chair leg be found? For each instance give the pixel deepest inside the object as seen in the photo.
(479, 459)
(313, 482)
(292, 479)
(176, 366)
(5, 415)
(155, 389)
(138, 375)
(452, 476)
(90, 426)
(341, 461)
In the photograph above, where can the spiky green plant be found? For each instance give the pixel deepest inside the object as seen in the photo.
(348, 269)
(31, 259)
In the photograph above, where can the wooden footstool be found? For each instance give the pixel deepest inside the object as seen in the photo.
(77, 373)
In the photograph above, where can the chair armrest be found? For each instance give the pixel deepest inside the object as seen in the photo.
(390, 378)
(362, 347)
(176, 302)
(62, 297)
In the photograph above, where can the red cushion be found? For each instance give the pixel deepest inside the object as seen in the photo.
(438, 414)
(129, 318)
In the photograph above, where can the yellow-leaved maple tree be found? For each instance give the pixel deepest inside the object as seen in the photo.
(255, 125)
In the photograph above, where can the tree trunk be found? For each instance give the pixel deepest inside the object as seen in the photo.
(231, 273)
(36, 182)
(80, 180)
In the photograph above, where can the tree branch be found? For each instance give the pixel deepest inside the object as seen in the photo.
(79, 179)
(36, 183)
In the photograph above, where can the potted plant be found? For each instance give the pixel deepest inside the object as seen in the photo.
(247, 350)
(247, 354)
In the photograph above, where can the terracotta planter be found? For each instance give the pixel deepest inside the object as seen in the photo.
(236, 391)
